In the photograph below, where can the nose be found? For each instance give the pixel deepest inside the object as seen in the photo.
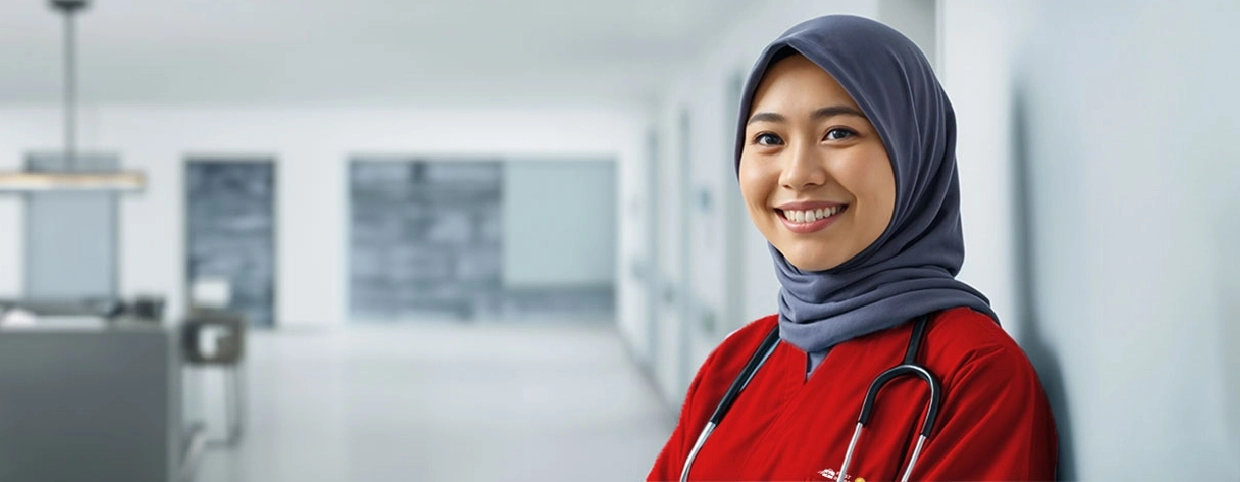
(803, 168)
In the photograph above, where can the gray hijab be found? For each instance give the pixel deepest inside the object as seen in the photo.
(910, 270)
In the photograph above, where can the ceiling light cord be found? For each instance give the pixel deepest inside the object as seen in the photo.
(70, 88)
(68, 8)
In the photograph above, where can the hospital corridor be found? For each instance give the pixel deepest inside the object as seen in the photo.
(558, 240)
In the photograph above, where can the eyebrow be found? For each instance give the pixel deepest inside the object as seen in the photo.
(823, 113)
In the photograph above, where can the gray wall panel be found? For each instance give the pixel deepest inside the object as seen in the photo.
(71, 237)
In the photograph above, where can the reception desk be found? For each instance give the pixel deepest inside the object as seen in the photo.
(95, 402)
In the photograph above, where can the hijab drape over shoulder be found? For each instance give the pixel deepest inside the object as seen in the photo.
(910, 269)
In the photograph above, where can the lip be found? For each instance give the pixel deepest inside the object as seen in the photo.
(806, 228)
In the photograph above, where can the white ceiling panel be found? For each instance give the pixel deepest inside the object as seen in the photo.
(372, 51)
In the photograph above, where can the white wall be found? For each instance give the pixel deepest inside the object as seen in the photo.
(1124, 114)
(975, 69)
(916, 20)
(311, 147)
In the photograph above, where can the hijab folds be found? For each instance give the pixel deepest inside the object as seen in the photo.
(910, 270)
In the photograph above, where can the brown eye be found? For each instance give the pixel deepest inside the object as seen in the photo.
(767, 139)
(837, 134)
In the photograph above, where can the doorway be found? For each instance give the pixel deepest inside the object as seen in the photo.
(230, 234)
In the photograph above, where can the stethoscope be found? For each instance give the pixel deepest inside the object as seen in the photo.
(908, 368)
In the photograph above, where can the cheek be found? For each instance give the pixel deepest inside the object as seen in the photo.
(875, 185)
(753, 185)
(867, 175)
(884, 185)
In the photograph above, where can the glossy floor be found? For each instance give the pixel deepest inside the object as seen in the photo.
(451, 402)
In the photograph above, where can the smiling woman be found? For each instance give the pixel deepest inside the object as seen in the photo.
(814, 172)
(845, 155)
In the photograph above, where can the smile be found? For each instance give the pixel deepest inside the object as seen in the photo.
(809, 221)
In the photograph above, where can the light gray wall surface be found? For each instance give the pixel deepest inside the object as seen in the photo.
(559, 223)
(1119, 120)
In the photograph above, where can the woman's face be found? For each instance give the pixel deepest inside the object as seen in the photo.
(813, 171)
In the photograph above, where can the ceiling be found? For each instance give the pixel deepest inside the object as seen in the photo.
(357, 51)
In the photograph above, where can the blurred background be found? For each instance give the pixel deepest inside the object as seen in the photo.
(487, 240)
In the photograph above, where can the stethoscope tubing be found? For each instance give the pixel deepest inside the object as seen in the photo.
(729, 397)
(908, 368)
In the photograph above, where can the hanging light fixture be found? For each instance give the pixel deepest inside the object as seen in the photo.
(72, 178)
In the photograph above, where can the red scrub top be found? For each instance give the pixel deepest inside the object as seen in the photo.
(994, 422)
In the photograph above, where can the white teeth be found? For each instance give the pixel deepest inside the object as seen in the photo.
(811, 216)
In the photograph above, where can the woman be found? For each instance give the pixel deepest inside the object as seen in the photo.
(846, 159)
